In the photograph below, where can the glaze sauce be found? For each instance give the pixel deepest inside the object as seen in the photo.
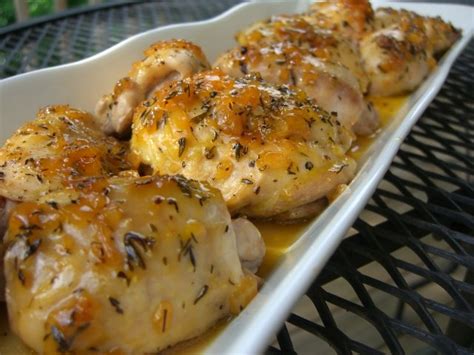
(278, 239)
(386, 107)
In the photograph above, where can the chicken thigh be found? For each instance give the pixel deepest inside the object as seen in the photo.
(440, 34)
(352, 19)
(287, 50)
(47, 154)
(331, 85)
(59, 146)
(400, 53)
(269, 149)
(296, 31)
(396, 58)
(164, 61)
(128, 265)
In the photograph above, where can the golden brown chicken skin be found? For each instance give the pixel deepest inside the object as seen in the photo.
(59, 146)
(397, 58)
(269, 149)
(352, 19)
(48, 154)
(164, 61)
(122, 265)
(400, 53)
(440, 34)
(331, 85)
(294, 31)
(289, 50)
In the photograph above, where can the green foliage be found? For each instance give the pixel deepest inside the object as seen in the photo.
(40, 7)
(36, 8)
(7, 12)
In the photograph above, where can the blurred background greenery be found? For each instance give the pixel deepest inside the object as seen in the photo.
(36, 8)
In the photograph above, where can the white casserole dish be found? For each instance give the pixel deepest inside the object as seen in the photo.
(80, 84)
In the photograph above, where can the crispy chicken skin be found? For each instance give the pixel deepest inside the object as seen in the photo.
(164, 61)
(295, 31)
(49, 153)
(269, 149)
(59, 146)
(128, 265)
(396, 58)
(400, 53)
(352, 19)
(332, 85)
(440, 34)
(288, 50)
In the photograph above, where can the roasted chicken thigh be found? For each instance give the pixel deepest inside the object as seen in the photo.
(440, 34)
(164, 61)
(268, 148)
(352, 19)
(401, 52)
(129, 265)
(288, 50)
(295, 30)
(59, 146)
(396, 58)
(332, 85)
(47, 154)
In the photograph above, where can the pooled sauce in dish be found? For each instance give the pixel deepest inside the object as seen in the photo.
(387, 108)
(278, 239)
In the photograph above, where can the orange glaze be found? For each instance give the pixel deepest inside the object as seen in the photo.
(386, 107)
(278, 239)
(10, 344)
(198, 345)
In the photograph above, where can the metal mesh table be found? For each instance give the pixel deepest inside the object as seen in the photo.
(424, 205)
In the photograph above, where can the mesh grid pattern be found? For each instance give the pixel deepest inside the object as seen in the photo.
(76, 37)
(424, 205)
(432, 175)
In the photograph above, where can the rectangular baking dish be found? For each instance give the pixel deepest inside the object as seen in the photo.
(80, 84)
